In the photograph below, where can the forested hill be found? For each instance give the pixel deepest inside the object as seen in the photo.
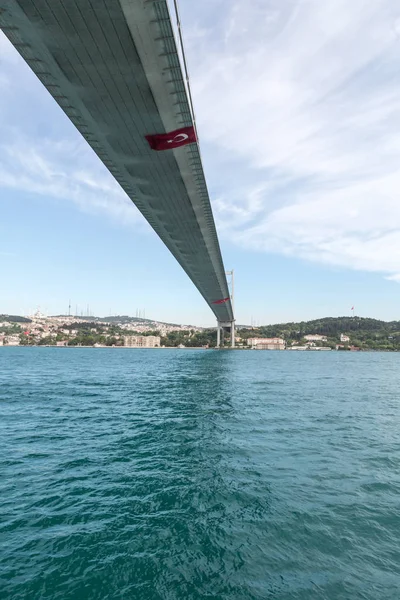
(14, 319)
(363, 332)
(331, 326)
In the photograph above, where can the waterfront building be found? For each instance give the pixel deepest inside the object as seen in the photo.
(142, 341)
(316, 338)
(12, 340)
(320, 348)
(267, 343)
(344, 338)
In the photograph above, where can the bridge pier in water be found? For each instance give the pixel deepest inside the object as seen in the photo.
(221, 327)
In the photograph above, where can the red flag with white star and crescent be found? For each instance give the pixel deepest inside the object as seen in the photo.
(173, 139)
(222, 301)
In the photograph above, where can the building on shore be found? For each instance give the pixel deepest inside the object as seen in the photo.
(267, 343)
(142, 341)
(316, 338)
(344, 338)
(320, 348)
(12, 340)
(310, 348)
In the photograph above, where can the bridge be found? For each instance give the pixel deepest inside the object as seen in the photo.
(113, 66)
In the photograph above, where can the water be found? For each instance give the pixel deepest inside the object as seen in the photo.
(173, 474)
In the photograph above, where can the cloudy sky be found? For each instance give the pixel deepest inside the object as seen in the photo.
(298, 109)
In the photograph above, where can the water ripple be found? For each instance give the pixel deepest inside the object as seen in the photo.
(198, 474)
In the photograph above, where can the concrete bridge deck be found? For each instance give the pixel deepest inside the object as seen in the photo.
(113, 67)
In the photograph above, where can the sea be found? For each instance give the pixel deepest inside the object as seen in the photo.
(173, 474)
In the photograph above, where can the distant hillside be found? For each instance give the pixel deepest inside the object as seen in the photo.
(120, 319)
(363, 332)
(138, 320)
(14, 319)
(331, 326)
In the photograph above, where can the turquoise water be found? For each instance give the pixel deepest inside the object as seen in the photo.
(174, 474)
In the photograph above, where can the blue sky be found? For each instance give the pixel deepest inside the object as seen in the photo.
(298, 110)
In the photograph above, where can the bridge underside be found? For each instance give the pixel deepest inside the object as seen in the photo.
(113, 68)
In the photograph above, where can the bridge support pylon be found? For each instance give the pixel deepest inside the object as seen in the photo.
(221, 327)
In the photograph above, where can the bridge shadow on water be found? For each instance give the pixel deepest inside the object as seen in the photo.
(144, 485)
(194, 499)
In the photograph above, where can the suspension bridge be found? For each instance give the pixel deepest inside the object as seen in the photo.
(118, 71)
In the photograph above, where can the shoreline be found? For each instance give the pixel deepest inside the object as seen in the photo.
(201, 348)
(109, 347)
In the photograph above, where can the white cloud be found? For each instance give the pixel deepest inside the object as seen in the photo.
(306, 94)
(298, 107)
(394, 278)
(64, 170)
(42, 153)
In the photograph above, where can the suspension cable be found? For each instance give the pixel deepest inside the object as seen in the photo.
(178, 23)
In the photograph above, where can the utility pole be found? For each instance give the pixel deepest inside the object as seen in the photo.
(231, 283)
(233, 307)
(233, 291)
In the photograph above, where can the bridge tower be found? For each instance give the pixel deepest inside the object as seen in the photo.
(227, 325)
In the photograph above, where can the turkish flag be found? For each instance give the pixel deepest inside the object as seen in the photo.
(173, 139)
(221, 301)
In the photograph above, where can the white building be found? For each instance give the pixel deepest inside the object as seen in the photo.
(344, 338)
(316, 338)
(267, 343)
(320, 348)
(142, 341)
(12, 340)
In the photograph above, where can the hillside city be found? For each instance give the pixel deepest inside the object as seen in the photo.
(342, 333)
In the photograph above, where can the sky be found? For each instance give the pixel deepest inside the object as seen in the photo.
(298, 111)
